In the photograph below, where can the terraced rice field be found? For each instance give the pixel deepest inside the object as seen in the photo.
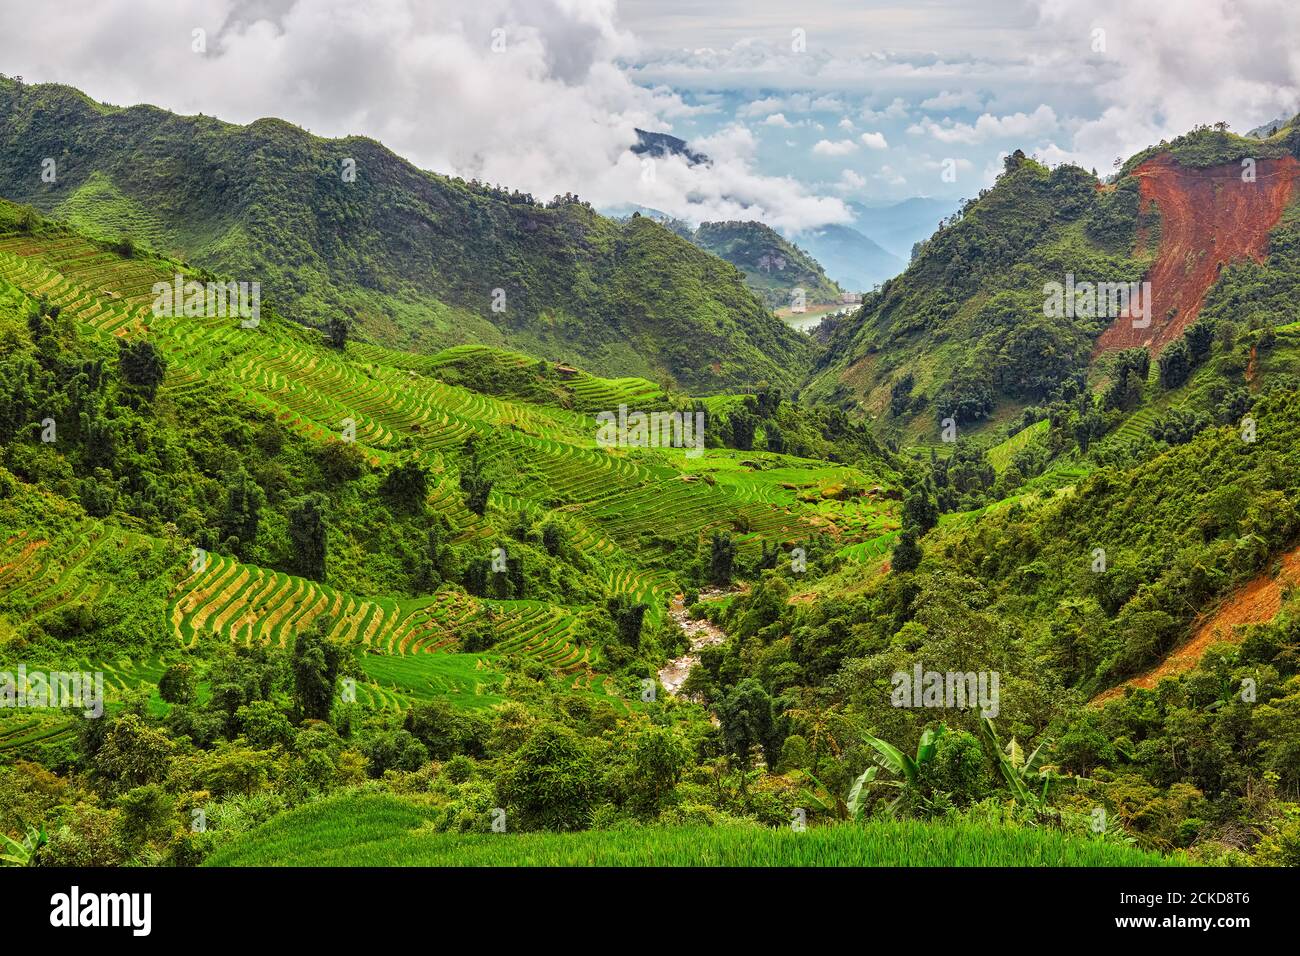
(590, 392)
(1000, 455)
(252, 605)
(315, 390)
(626, 506)
(38, 577)
(23, 731)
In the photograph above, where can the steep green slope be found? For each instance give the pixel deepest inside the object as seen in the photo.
(967, 331)
(422, 260)
(773, 266)
(963, 331)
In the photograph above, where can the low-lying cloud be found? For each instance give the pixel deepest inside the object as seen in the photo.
(529, 94)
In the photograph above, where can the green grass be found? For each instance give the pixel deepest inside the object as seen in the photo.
(1000, 455)
(384, 830)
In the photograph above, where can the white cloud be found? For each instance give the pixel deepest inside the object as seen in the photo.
(554, 112)
(950, 100)
(891, 176)
(874, 140)
(828, 104)
(1168, 67)
(826, 147)
(988, 126)
(850, 181)
(896, 110)
(778, 119)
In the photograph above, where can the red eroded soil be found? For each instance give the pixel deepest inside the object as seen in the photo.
(1208, 218)
(1258, 601)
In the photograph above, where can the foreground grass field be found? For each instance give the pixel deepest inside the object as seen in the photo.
(384, 830)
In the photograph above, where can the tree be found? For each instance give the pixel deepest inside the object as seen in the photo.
(768, 400)
(341, 461)
(741, 426)
(132, 754)
(406, 485)
(920, 513)
(446, 730)
(550, 781)
(552, 538)
(900, 395)
(176, 686)
(141, 365)
(243, 511)
(1200, 340)
(656, 759)
(722, 558)
(393, 750)
(627, 616)
(1175, 364)
(336, 330)
(309, 533)
(775, 437)
(315, 669)
(473, 479)
(746, 719)
(907, 552)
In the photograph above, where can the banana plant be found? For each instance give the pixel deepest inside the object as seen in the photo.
(890, 758)
(14, 853)
(1027, 777)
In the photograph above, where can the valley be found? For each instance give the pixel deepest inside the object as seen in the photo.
(375, 573)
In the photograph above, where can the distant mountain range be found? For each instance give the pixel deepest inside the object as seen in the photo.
(876, 246)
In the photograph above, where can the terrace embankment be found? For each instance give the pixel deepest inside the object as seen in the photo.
(1208, 218)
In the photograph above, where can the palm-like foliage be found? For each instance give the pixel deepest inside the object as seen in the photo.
(890, 758)
(1027, 777)
(15, 853)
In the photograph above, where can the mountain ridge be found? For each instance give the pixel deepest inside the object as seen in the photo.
(419, 259)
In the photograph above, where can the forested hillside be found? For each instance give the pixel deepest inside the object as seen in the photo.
(773, 266)
(381, 574)
(966, 332)
(345, 227)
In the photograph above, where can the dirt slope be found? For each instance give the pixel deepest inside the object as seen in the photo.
(1208, 218)
(1258, 601)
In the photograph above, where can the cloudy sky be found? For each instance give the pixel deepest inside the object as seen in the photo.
(803, 107)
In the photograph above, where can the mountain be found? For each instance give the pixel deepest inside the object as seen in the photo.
(665, 144)
(773, 266)
(899, 226)
(364, 590)
(850, 258)
(969, 331)
(1269, 129)
(345, 226)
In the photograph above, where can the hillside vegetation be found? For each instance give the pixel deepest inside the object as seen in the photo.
(773, 266)
(325, 834)
(359, 603)
(420, 260)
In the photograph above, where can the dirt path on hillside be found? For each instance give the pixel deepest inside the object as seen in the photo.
(701, 633)
(1208, 218)
(1258, 601)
